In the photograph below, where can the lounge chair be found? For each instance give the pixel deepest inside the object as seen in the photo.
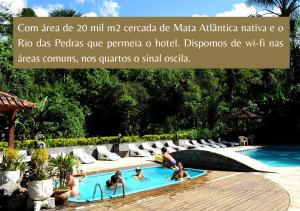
(83, 157)
(198, 145)
(135, 151)
(218, 144)
(24, 155)
(104, 154)
(150, 149)
(202, 141)
(172, 145)
(160, 146)
(188, 144)
(231, 143)
(243, 140)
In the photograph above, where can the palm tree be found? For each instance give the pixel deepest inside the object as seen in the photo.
(287, 7)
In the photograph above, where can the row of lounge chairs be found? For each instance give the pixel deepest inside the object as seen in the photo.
(143, 150)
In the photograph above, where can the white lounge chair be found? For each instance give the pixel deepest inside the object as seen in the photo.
(24, 155)
(172, 145)
(188, 144)
(202, 141)
(231, 143)
(104, 154)
(83, 157)
(135, 151)
(200, 145)
(160, 146)
(150, 149)
(218, 144)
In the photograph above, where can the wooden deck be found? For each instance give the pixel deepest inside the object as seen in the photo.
(216, 191)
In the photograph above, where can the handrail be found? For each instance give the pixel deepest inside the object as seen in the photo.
(98, 185)
(122, 187)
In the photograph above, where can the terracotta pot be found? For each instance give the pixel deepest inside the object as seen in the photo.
(40, 190)
(6, 176)
(61, 196)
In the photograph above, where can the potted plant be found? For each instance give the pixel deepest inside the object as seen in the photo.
(40, 185)
(11, 166)
(63, 169)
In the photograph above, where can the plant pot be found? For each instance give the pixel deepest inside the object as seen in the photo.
(40, 190)
(6, 176)
(61, 196)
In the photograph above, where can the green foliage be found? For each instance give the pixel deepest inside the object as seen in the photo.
(81, 141)
(11, 160)
(39, 168)
(63, 165)
(64, 13)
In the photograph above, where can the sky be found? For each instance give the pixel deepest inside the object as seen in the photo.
(123, 8)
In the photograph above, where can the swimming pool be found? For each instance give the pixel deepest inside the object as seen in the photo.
(277, 156)
(155, 177)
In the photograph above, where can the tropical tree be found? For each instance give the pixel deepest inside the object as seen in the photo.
(64, 13)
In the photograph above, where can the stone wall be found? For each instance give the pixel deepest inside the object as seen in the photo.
(202, 159)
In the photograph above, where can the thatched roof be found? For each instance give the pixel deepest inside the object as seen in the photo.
(241, 115)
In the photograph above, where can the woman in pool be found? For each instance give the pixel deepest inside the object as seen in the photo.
(74, 183)
(139, 174)
(180, 173)
(168, 160)
(115, 179)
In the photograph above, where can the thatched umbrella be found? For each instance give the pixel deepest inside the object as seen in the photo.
(10, 105)
(241, 115)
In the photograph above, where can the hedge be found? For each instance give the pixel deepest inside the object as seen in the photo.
(67, 142)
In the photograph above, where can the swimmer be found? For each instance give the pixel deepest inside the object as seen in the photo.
(116, 178)
(139, 174)
(180, 173)
(74, 183)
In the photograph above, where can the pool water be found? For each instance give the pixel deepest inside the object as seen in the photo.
(276, 156)
(155, 177)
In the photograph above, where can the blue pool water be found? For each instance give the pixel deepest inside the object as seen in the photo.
(276, 156)
(155, 177)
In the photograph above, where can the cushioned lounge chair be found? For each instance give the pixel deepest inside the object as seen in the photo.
(152, 150)
(172, 145)
(202, 141)
(104, 154)
(135, 151)
(83, 157)
(55, 155)
(188, 144)
(210, 141)
(200, 145)
(160, 146)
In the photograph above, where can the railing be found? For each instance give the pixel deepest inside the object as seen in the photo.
(101, 192)
(122, 187)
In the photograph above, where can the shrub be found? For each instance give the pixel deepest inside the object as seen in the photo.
(39, 168)
(67, 142)
(11, 160)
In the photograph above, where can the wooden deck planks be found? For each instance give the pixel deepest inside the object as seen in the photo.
(217, 191)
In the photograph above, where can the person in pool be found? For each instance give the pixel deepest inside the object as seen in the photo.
(180, 173)
(74, 183)
(115, 179)
(168, 160)
(139, 174)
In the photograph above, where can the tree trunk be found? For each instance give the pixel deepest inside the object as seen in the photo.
(11, 128)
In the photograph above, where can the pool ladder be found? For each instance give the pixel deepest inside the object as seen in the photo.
(98, 185)
(123, 189)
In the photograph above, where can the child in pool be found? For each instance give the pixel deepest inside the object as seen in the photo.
(115, 179)
(139, 174)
